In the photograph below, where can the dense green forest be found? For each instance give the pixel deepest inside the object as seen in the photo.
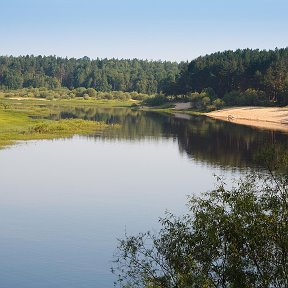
(104, 75)
(241, 77)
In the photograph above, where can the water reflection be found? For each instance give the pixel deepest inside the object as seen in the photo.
(203, 139)
(65, 202)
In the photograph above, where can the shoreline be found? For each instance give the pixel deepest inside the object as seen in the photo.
(268, 118)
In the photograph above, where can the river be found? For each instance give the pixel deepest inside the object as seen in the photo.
(64, 203)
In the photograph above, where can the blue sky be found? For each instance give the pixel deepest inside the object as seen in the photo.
(151, 29)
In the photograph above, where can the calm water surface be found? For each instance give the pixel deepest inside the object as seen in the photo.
(64, 203)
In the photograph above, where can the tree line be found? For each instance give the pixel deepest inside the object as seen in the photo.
(103, 75)
(241, 77)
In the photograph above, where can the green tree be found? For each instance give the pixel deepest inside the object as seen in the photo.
(238, 70)
(234, 237)
(91, 92)
(12, 80)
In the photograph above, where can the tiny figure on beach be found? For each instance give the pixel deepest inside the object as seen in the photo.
(230, 117)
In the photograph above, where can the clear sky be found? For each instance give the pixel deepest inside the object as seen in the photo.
(146, 29)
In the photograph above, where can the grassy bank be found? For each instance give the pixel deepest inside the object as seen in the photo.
(75, 101)
(25, 120)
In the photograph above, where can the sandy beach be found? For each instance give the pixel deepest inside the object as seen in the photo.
(275, 118)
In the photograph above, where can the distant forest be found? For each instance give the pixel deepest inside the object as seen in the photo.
(241, 77)
(104, 75)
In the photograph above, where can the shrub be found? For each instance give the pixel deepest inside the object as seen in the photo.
(229, 238)
(156, 100)
(91, 92)
(79, 92)
(249, 97)
(218, 103)
(50, 97)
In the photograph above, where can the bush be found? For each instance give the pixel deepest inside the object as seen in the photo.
(210, 93)
(250, 97)
(283, 98)
(91, 92)
(44, 94)
(71, 95)
(79, 92)
(199, 101)
(138, 96)
(156, 100)
(218, 103)
(230, 238)
(50, 97)
(108, 96)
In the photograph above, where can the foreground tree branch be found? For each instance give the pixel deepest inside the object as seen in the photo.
(229, 238)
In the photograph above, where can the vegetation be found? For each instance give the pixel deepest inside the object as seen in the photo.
(103, 75)
(243, 74)
(224, 143)
(64, 127)
(64, 93)
(234, 237)
(27, 122)
(230, 238)
(241, 77)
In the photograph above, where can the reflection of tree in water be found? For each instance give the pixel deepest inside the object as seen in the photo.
(203, 139)
(217, 142)
(135, 125)
(223, 143)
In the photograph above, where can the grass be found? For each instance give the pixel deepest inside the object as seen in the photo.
(65, 127)
(71, 102)
(24, 120)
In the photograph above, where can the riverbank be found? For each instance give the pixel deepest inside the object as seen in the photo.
(31, 120)
(272, 118)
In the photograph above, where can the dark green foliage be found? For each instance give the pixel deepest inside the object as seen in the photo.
(104, 75)
(12, 80)
(250, 97)
(204, 101)
(81, 92)
(265, 72)
(156, 100)
(230, 238)
(241, 77)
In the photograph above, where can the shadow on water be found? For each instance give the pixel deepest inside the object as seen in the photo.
(64, 204)
(203, 139)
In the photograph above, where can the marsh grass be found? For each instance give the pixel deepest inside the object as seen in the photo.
(21, 120)
(66, 127)
(67, 102)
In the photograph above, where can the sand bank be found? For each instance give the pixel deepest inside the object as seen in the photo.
(275, 118)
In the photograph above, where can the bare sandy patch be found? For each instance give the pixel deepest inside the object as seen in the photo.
(182, 106)
(275, 118)
(26, 98)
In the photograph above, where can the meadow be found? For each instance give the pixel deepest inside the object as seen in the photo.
(28, 119)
